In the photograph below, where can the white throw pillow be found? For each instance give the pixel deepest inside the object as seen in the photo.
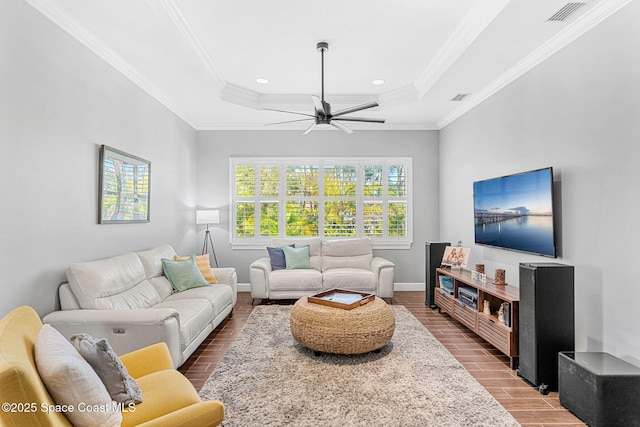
(72, 381)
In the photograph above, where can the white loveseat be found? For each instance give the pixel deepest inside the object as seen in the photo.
(128, 300)
(340, 263)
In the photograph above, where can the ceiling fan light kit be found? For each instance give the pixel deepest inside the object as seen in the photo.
(323, 115)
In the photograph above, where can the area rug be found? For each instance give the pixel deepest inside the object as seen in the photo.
(268, 379)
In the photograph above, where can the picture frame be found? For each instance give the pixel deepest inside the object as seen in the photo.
(124, 187)
(456, 256)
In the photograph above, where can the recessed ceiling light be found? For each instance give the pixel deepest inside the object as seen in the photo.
(262, 80)
(378, 82)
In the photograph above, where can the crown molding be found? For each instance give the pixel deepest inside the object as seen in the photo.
(473, 24)
(298, 127)
(591, 18)
(79, 33)
(294, 102)
(174, 12)
(240, 96)
(398, 97)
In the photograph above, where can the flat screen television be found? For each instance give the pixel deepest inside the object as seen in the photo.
(515, 212)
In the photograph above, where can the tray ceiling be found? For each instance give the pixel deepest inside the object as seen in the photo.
(201, 59)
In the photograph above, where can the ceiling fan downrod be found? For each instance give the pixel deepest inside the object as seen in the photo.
(322, 47)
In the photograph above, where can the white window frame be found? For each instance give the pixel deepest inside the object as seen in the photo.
(259, 242)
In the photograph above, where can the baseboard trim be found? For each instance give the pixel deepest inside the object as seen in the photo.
(408, 287)
(246, 287)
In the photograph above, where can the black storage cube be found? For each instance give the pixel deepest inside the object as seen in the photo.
(599, 388)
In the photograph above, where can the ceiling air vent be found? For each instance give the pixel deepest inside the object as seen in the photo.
(564, 12)
(459, 97)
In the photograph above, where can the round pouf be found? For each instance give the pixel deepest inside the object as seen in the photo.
(336, 330)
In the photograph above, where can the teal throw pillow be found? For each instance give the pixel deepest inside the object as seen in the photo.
(297, 257)
(183, 275)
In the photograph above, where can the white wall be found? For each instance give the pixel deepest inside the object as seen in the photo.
(58, 103)
(215, 147)
(579, 112)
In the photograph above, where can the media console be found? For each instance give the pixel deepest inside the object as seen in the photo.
(459, 304)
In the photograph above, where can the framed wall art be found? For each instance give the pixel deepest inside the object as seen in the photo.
(124, 187)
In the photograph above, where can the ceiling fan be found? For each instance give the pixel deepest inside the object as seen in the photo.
(323, 114)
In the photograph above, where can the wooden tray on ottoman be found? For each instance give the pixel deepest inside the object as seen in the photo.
(341, 298)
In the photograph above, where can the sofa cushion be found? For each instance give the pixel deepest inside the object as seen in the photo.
(151, 260)
(294, 280)
(183, 274)
(349, 278)
(276, 256)
(162, 285)
(194, 315)
(72, 381)
(166, 391)
(112, 284)
(219, 296)
(202, 261)
(98, 353)
(347, 253)
(296, 258)
(314, 243)
(68, 300)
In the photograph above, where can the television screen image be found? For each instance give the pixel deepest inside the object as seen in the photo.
(515, 212)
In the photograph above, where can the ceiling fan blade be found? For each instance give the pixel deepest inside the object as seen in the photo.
(310, 128)
(317, 102)
(354, 109)
(288, 121)
(359, 119)
(290, 112)
(340, 126)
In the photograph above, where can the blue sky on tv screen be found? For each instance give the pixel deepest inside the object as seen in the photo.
(526, 193)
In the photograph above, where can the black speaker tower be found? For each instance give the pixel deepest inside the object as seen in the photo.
(433, 259)
(547, 321)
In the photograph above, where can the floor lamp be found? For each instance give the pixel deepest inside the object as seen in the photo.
(210, 216)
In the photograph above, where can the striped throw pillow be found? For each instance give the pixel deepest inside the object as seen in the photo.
(202, 261)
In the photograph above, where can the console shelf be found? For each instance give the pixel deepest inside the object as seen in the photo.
(502, 335)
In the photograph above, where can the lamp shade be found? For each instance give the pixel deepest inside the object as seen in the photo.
(209, 216)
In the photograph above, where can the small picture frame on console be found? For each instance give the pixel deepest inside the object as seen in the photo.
(456, 257)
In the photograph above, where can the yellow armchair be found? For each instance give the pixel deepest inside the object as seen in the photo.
(169, 399)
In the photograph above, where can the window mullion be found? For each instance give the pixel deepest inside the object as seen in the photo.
(282, 200)
(257, 199)
(321, 198)
(385, 200)
(360, 199)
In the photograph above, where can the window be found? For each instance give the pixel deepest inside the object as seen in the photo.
(333, 198)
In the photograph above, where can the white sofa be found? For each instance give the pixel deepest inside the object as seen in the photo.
(340, 263)
(128, 300)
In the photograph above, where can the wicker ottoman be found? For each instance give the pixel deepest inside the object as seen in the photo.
(335, 330)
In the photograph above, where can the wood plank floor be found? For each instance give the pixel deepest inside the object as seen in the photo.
(485, 363)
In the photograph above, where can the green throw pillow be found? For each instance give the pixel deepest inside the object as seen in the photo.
(183, 275)
(297, 257)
